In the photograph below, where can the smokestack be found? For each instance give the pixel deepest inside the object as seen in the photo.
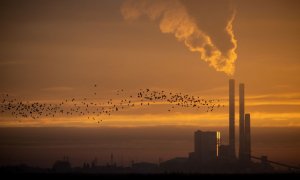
(242, 121)
(232, 118)
(247, 138)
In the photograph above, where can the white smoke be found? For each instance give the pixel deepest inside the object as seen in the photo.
(174, 18)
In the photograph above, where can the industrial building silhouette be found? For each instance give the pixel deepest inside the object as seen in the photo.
(207, 144)
(210, 155)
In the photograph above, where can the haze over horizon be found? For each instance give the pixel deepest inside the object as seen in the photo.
(138, 144)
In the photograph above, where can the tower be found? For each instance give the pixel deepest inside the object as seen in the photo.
(242, 120)
(232, 117)
(247, 138)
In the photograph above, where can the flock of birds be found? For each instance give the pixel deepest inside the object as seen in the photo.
(97, 110)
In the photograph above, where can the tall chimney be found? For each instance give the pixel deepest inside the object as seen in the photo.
(232, 118)
(242, 121)
(247, 138)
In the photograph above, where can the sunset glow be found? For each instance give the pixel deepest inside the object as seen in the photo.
(156, 81)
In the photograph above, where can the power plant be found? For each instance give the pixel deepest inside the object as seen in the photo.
(210, 155)
(227, 152)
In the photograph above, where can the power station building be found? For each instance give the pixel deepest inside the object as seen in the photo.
(207, 147)
(209, 155)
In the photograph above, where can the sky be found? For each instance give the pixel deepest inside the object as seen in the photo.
(53, 50)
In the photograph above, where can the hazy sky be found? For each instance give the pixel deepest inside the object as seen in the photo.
(43, 146)
(52, 50)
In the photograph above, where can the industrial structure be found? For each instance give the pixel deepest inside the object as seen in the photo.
(210, 156)
(231, 150)
(207, 144)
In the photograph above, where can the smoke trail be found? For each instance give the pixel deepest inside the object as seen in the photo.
(174, 18)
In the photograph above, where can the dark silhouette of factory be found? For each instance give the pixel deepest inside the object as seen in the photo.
(207, 144)
(210, 156)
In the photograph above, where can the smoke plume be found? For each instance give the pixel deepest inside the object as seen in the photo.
(174, 18)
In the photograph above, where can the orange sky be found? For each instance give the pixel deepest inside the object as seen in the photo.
(52, 50)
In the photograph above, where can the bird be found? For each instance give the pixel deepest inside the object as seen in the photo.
(76, 106)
